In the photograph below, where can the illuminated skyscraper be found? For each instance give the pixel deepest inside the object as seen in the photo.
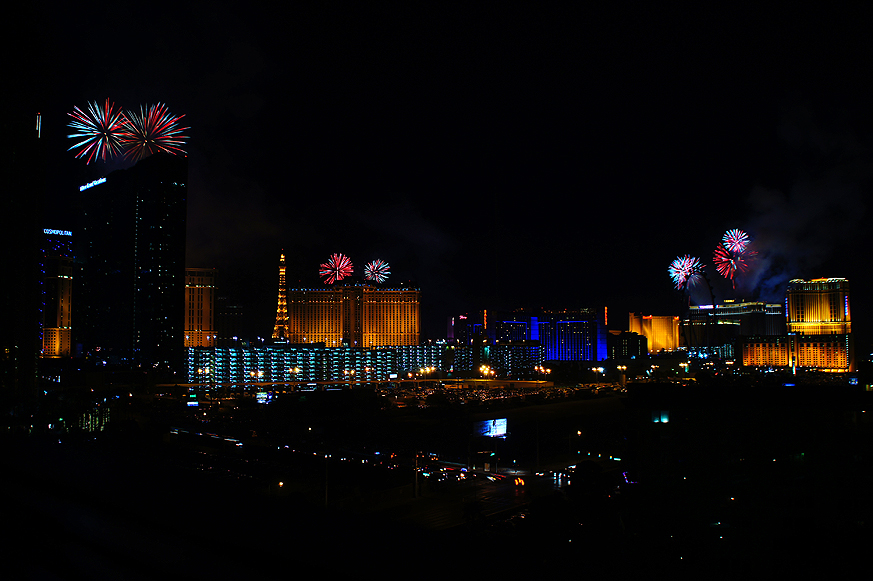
(819, 320)
(56, 269)
(818, 307)
(133, 264)
(200, 329)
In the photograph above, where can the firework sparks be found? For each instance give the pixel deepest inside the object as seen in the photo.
(154, 129)
(728, 263)
(99, 129)
(336, 268)
(735, 241)
(685, 270)
(377, 271)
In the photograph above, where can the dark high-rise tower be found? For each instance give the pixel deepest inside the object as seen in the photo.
(133, 264)
(23, 171)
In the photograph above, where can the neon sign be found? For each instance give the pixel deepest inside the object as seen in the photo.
(92, 184)
(57, 232)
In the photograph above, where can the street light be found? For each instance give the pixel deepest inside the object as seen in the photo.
(425, 370)
(623, 377)
(542, 371)
(597, 371)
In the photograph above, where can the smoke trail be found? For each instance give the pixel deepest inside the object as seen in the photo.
(796, 233)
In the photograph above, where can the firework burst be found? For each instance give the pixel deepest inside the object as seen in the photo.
(728, 263)
(733, 255)
(685, 270)
(735, 241)
(154, 129)
(99, 129)
(377, 271)
(336, 268)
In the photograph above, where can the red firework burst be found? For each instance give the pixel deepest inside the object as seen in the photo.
(154, 129)
(728, 263)
(99, 129)
(336, 268)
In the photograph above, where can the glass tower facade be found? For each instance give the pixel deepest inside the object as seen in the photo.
(132, 255)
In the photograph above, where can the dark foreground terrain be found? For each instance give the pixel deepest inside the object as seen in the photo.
(733, 485)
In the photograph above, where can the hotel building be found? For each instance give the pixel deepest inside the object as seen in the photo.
(565, 334)
(200, 328)
(661, 332)
(351, 314)
(819, 330)
(56, 289)
(287, 362)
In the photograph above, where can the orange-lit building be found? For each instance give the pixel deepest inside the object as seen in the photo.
(767, 351)
(357, 315)
(819, 307)
(822, 352)
(200, 307)
(820, 319)
(819, 322)
(661, 332)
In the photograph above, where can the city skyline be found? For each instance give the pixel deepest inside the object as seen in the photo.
(498, 157)
(553, 173)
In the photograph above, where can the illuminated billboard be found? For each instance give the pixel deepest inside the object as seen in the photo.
(490, 428)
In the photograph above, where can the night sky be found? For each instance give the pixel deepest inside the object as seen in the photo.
(498, 156)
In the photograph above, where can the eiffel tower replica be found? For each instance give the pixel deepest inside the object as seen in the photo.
(280, 330)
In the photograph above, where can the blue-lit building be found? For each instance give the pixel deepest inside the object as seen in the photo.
(565, 335)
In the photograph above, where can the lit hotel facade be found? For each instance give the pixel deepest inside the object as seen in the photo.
(819, 324)
(661, 332)
(200, 328)
(354, 314)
